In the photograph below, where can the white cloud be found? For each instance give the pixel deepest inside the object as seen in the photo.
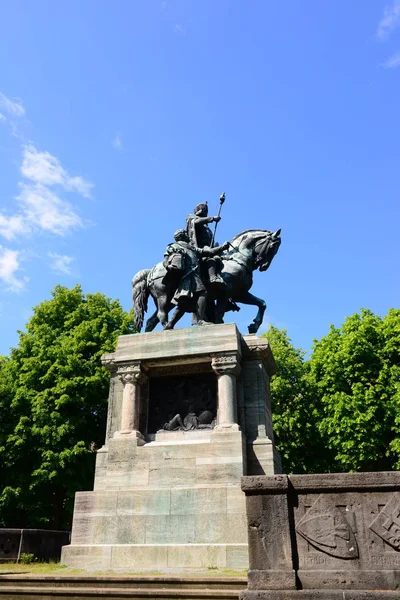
(46, 169)
(61, 263)
(12, 107)
(392, 62)
(117, 142)
(390, 21)
(9, 264)
(79, 185)
(12, 226)
(43, 209)
(2, 117)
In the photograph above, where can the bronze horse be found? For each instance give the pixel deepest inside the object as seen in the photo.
(250, 250)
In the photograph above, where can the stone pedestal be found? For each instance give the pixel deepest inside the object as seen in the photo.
(172, 499)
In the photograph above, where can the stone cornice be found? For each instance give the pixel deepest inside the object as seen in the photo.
(254, 347)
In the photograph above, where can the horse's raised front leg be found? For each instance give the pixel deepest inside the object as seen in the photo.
(248, 298)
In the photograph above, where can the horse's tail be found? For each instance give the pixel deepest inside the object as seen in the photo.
(140, 296)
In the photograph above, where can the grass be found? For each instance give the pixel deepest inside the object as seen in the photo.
(53, 568)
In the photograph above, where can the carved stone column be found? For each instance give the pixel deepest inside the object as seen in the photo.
(227, 368)
(132, 377)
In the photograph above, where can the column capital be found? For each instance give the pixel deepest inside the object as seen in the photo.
(226, 364)
(132, 373)
(107, 360)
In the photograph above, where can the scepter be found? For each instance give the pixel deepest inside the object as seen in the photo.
(221, 201)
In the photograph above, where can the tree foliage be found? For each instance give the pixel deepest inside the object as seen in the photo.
(356, 369)
(340, 409)
(295, 408)
(53, 403)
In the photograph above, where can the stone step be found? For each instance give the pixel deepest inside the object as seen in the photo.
(12, 592)
(159, 582)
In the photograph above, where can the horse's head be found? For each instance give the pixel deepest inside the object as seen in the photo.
(265, 249)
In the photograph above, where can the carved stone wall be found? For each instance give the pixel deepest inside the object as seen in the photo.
(323, 535)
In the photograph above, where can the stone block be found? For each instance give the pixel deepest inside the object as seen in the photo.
(82, 530)
(235, 500)
(122, 449)
(171, 477)
(185, 343)
(105, 530)
(170, 529)
(131, 529)
(221, 529)
(237, 556)
(197, 556)
(138, 558)
(171, 462)
(158, 451)
(144, 502)
(100, 476)
(272, 580)
(193, 501)
(95, 504)
(92, 558)
(225, 472)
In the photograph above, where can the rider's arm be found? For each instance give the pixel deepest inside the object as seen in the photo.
(219, 249)
(204, 220)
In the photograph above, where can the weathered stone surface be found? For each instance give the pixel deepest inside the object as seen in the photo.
(195, 556)
(271, 579)
(324, 533)
(138, 558)
(130, 530)
(185, 343)
(209, 501)
(143, 502)
(237, 556)
(162, 529)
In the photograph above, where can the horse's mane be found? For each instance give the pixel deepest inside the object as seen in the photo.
(242, 233)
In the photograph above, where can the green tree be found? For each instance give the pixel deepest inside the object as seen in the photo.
(356, 371)
(55, 400)
(295, 409)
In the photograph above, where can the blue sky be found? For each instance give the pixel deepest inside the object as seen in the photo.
(117, 118)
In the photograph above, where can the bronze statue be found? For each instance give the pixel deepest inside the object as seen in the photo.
(181, 281)
(182, 263)
(201, 236)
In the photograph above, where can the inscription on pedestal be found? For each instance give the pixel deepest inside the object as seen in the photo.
(327, 530)
(387, 523)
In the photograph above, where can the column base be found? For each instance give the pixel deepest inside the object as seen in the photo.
(227, 427)
(133, 434)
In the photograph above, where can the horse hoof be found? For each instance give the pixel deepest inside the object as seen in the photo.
(252, 328)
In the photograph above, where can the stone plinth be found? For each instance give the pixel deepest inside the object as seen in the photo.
(323, 536)
(172, 499)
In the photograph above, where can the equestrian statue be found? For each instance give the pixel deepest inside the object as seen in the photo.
(200, 277)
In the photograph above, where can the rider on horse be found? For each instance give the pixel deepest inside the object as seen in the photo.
(201, 236)
(182, 262)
